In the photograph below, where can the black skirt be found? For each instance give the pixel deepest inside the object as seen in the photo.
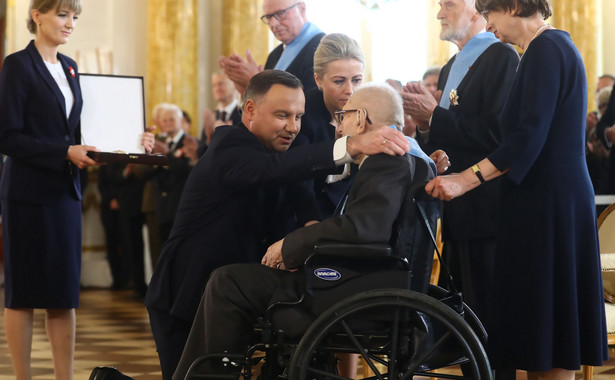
(42, 254)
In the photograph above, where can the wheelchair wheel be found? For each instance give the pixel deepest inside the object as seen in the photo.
(399, 333)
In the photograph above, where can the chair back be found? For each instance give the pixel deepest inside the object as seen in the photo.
(606, 234)
(411, 239)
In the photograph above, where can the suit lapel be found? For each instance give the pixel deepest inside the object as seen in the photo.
(74, 86)
(47, 78)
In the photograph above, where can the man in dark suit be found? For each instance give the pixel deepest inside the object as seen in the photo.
(226, 112)
(287, 20)
(223, 216)
(236, 295)
(473, 87)
(170, 180)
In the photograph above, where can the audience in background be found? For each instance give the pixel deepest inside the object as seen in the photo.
(430, 79)
(596, 153)
(287, 20)
(171, 179)
(226, 112)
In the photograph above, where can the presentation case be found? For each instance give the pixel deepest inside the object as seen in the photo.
(113, 119)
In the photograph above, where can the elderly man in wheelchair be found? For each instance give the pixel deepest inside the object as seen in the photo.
(357, 282)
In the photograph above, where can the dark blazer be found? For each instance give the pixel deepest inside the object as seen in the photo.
(374, 203)
(315, 128)
(303, 65)
(607, 120)
(171, 180)
(468, 132)
(222, 217)
(34, 131)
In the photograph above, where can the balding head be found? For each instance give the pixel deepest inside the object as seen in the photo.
(382, 102)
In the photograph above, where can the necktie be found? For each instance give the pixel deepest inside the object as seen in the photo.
(171, 144)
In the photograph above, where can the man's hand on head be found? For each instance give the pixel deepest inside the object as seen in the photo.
(380, 140)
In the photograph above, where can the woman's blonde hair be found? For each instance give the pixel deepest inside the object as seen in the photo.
(333, 47)
(45, 6)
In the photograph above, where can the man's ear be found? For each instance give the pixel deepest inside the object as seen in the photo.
(361, 122)
(249, 109)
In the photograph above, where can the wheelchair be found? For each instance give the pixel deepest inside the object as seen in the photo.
(372, 300)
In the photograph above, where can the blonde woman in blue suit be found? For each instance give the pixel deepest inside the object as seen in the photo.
(40, 107)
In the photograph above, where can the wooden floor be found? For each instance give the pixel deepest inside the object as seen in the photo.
(113, 329)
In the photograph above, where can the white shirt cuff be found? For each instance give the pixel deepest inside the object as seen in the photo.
(340, 155)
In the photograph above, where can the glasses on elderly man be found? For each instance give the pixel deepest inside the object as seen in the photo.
(279, 15)
(339, 115)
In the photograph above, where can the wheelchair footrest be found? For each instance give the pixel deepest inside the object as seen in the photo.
(217, 366)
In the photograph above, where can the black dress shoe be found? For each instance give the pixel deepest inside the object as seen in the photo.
(108, 373)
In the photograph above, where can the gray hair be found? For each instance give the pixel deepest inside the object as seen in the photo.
(333, 47)
(603, 96)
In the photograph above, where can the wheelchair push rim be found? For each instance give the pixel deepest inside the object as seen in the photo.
(402, 357)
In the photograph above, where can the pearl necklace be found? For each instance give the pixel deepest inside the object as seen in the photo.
(545, 26)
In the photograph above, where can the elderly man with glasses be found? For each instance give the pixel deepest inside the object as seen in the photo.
(288, 22)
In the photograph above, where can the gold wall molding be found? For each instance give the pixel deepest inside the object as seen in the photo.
(242, 29)
(582, 19)
(172, 55)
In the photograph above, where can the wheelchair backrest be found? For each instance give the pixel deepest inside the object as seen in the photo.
(410, 238)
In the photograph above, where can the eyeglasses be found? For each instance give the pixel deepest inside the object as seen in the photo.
(339, 115)
(279, 15)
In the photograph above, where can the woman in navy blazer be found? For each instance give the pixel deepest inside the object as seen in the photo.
(40, 107)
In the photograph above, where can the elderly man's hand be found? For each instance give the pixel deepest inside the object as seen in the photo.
(148, 139)
(441, 159)
(380, 140)
(239, 70)
(273, 256)
(591, 121)
(418, 103)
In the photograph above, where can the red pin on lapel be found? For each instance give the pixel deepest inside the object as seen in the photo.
(72, 71)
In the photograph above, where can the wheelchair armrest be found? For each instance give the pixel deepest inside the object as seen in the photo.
(380, 253)
(354, 250)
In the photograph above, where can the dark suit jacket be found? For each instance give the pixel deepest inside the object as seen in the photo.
(171, 180)
(607, 120)
(374, 203)
(470, 131)
(303, 65)
(34, 131)
(222, 217)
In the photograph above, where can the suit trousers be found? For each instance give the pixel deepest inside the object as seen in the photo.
(235, 297)
(170, 334)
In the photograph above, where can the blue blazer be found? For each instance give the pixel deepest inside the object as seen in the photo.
(34, 131)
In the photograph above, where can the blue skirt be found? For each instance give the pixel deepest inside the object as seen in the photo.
(42, 254)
